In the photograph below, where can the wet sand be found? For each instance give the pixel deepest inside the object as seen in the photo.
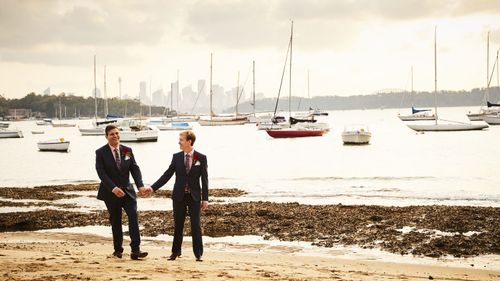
(63, 256)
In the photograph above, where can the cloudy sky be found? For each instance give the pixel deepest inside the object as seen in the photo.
(349, 46)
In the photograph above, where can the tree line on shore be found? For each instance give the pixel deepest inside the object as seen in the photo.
(76, 106)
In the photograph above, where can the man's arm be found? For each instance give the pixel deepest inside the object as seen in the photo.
(204, 184)
(165, 177)
(101, 172)
(135, 171)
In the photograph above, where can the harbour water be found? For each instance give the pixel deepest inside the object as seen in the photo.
(399, 167)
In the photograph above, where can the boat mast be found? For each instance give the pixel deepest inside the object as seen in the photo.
(290, 82)
(435, 76)
(95, 93)
(105, 95)
(308, 92)
(150, 95)
(237, 95)
(178, 86)
(120, 87)
(171, 98)
(253, 88)
(211, 112)
(488, 67)
(411, 93)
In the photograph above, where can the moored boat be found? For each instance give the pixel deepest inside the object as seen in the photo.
(54, 145)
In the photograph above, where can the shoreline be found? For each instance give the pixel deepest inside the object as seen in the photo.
(327, 241)
(46, 256)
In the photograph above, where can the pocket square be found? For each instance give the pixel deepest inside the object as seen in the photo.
(197, 163)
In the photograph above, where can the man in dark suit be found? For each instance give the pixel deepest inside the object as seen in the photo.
(113, 163)
(190, 167)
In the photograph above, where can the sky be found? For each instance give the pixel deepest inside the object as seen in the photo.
(348, 47)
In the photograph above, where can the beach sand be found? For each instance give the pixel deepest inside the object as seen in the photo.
(66, 256)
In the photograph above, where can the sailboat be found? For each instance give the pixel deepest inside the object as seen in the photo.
(60, 124)
(220, 120)
(98, 127)
(456, 126)
(496, 108)
(292, 129)
(416, 114)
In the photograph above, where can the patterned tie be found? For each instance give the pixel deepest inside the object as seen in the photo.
(117, 159)
(188, 163)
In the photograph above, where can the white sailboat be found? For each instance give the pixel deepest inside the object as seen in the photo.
(490, 110)
(436, 127)
(97, 128)
(213, 120)
(416, 114)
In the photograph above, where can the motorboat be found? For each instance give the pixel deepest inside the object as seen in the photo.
(54, 145)
(11, 133)
(356, 134)
(175, 126)
(44, 122)
(132, 130)
(37, 132)
(4, 125)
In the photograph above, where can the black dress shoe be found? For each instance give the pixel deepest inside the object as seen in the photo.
(138, 255)
(199, 259)
(117, 254)
(173, 256)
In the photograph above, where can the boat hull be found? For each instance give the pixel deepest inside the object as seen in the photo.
(447, 127)
(139, 136)
(492, 119)
(92, 131)
(416, 118)
(295, 133)
(356, 138)
(11, 134)
(53, 146)
(215, 122)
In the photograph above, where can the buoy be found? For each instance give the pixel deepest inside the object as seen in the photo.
(61, 139)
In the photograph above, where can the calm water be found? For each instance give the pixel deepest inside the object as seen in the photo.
(399, 167)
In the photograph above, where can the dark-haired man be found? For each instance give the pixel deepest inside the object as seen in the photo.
(114, 163)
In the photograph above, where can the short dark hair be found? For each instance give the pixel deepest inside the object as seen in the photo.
(109, 128)
(190, 136)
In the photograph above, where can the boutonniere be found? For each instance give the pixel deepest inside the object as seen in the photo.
(127, 153)
(196, 160)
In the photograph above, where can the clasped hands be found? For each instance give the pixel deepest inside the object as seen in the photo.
(145, 191)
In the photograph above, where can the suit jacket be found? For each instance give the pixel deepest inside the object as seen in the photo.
(112, 177)
(198, 171)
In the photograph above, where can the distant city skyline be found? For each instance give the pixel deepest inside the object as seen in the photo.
(349, 47)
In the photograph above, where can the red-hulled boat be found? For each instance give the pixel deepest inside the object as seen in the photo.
(295, 133)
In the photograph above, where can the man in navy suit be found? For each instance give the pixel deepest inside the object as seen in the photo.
(113, 163)
(190, 167)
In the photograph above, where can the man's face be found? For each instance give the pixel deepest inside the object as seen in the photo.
(184, 144)
(113, 137)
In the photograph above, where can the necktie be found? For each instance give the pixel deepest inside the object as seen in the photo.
(117, 159)
(188, 163)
